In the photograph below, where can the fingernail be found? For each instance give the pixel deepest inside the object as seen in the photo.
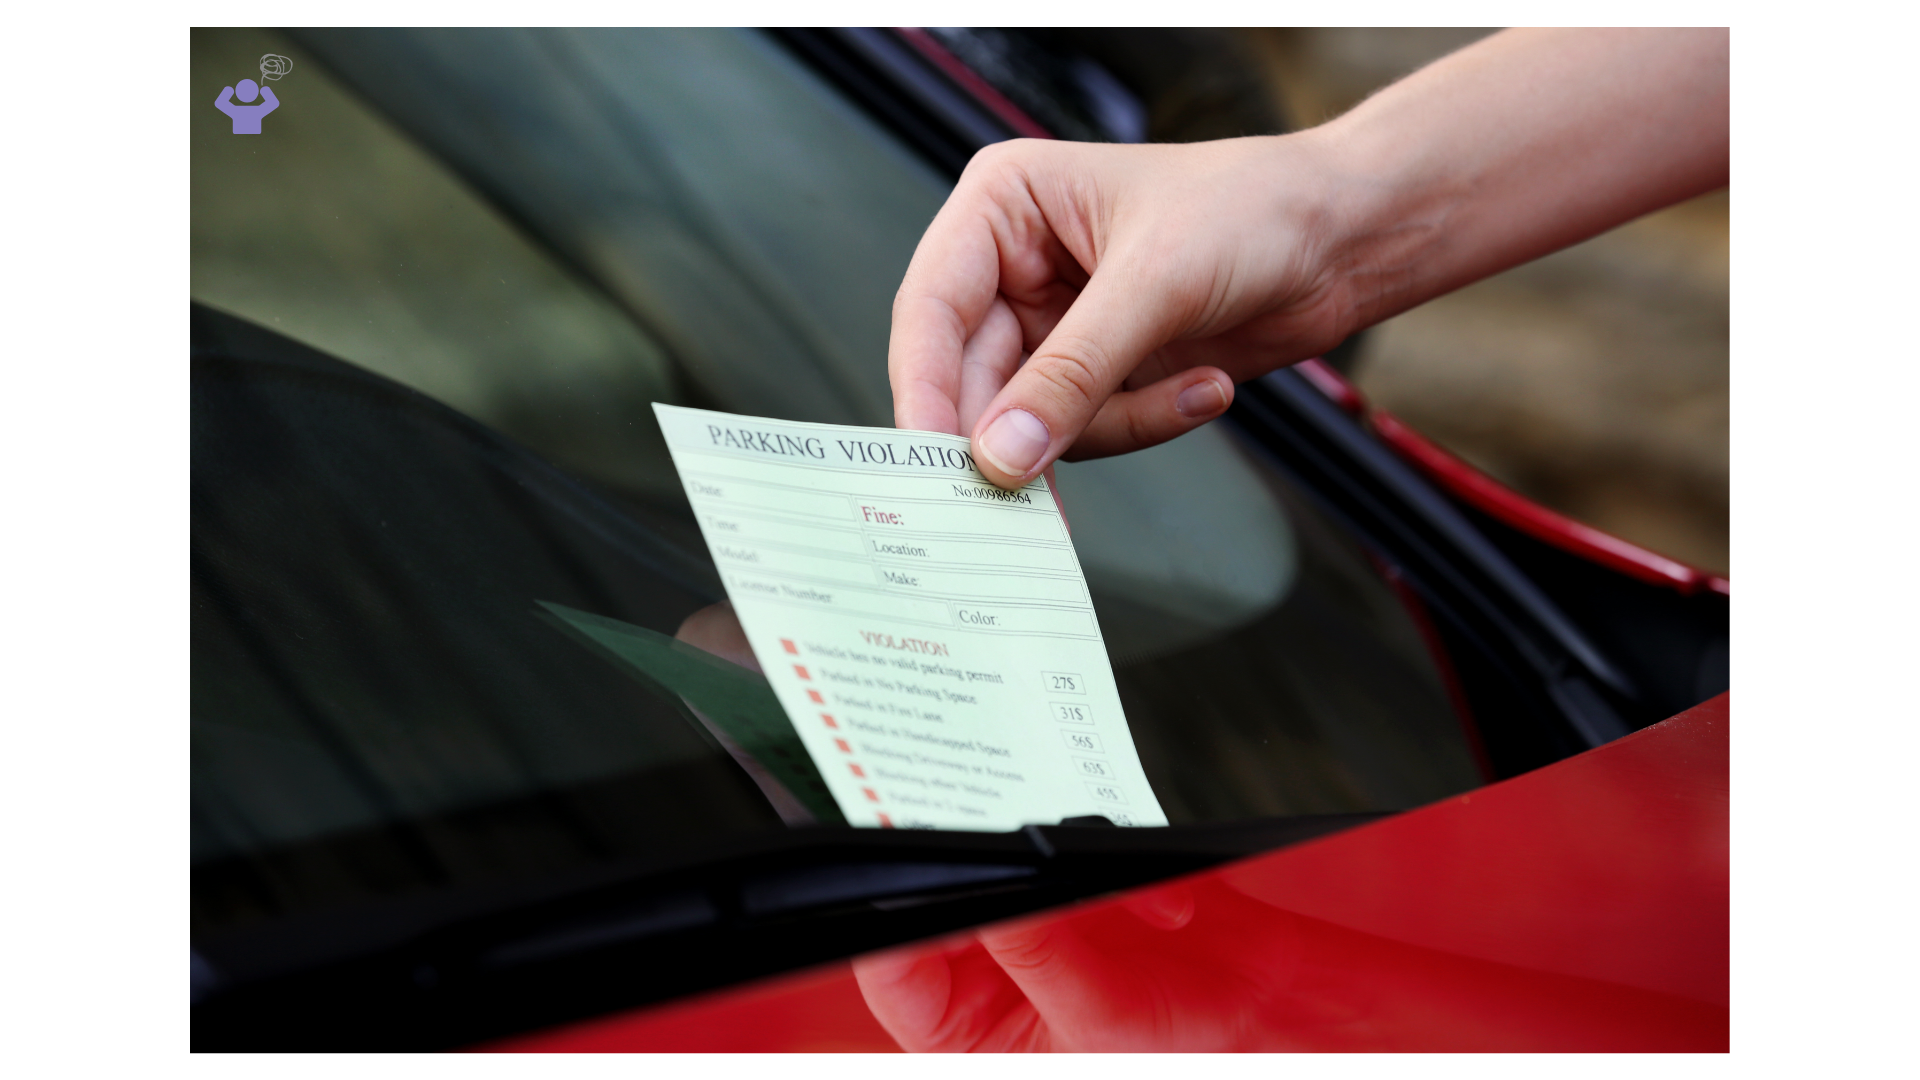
(1015, 441)
(1201, 399)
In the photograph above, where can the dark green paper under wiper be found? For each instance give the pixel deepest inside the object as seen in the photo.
(734, 700)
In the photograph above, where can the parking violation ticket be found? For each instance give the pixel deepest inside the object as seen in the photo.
(929, 635)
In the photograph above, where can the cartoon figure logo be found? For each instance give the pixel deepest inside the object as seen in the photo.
(246, 118)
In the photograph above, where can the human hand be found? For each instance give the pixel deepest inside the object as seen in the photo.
(1143, 280)
(1146, 280)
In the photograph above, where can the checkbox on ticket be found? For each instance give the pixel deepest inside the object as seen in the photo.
(857, 770)
(814, 696)
(872, 796)
(842, 744)
(830, 721)
(802, 672)
(787, 644)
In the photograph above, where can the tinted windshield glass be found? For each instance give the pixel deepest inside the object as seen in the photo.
(439, 291)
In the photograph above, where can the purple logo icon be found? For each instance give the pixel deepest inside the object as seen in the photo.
(246, 118)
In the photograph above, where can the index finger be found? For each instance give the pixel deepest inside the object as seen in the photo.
(991, 239)
(948, 289)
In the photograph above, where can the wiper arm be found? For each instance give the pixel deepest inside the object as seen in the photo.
(763, 906)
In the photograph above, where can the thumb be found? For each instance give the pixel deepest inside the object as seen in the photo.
(1116, 322)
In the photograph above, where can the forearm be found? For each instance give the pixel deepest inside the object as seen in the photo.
(1522, 144)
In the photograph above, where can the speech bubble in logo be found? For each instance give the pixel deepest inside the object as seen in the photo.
(273, 66)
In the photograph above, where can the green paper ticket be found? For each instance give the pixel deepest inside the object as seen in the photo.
(929, 635)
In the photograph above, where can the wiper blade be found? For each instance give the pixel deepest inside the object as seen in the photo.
(764, 906)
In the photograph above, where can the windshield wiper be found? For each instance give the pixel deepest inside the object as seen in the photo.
(483, 964)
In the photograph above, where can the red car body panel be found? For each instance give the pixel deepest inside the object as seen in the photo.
(1582, 906)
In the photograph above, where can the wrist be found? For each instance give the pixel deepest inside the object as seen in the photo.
(1386, 219)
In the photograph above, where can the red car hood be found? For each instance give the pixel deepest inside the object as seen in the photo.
(1580, 906)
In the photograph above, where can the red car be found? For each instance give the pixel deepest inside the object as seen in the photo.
(1412, 731)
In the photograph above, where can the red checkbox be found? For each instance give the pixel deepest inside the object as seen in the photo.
(802, 672)
(842, 744)
(857, 770)
(829, 721)
(885, 821)
(817, 699)
(787, 644)
(870, 794)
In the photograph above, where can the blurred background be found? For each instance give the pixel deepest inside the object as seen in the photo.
(1594, 380)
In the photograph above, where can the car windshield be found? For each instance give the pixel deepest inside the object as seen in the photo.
(433, 301)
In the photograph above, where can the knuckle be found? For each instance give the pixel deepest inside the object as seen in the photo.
(1139, 433)
(1006, 150)
(990, 159)
(1075, 372)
